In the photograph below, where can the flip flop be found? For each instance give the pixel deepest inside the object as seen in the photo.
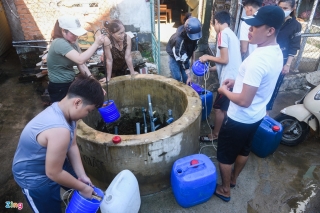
(207, 139)
(232, 185)
(224, 198)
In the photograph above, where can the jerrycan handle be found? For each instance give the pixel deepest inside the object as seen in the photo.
(193, 166)
(118, 182)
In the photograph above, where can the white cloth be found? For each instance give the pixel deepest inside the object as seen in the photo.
(260, 69)
(227, 39)
(244, 30)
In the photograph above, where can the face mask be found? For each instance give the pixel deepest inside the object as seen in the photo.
(287, 13)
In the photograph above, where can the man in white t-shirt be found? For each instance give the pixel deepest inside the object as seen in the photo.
(252, 90)
(227, 60)
(250, 7)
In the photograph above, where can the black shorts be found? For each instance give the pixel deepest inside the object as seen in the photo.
(235, 139)
(58, 91)
(221, 102)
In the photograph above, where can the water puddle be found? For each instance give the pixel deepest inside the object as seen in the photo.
(307, 195)
(300, 202)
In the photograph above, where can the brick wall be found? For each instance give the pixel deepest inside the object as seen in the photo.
(37, 17)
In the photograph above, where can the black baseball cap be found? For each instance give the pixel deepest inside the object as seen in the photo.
(270, 15)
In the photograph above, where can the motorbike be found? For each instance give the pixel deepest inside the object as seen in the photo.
(305, 114)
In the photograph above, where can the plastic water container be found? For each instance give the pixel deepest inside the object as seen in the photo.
(206, 99)
(193, 180)
(79, 204)
(110, 112)
(267, 137)
(207, 103)
(199, 68)
(197, 88)
(122, 195)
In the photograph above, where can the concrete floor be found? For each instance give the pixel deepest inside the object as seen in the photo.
(286, 181)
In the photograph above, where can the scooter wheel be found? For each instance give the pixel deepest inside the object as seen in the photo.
(292, 135)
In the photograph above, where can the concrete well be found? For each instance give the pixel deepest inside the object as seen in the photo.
(149, 156)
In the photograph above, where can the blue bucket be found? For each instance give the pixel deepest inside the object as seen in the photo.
(199, 68)
(79, 204)
(110, 112)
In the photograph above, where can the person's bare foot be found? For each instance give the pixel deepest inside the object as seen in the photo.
(221, 191)
(212, 136)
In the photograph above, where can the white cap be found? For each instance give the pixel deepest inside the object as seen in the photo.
(72, 24)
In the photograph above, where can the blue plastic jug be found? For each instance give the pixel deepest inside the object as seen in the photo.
(267, 137)
(206, 98)
(197, 88)
(193, 180)
(207, 102)
(79, 204)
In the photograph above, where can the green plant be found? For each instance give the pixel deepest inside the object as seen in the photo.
(148, 55)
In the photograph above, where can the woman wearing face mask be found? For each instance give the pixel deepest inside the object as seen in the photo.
(117, 48)
(289, 38)
(64, 53)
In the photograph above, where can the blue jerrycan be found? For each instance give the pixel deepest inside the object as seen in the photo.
(267, 137)
(206, 97)
(193, 180)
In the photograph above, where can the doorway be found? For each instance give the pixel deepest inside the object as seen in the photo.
(178, 10)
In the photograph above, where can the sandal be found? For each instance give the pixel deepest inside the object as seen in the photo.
(207, 139)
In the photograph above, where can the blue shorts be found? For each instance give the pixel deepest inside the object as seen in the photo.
(46, 198)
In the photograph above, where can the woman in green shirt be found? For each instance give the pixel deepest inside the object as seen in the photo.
(64, 53)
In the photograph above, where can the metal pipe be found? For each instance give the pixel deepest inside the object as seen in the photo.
(170, 119)
(200, 10)
(304, 39)
(238, 17)
(151, 113)
(310, 35)
(298, 7)
(157, 127)
(31, 41)
(42, 47)
(144, 120)
(138, 128)
(158, 43)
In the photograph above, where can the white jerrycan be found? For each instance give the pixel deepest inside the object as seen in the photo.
(122, 195)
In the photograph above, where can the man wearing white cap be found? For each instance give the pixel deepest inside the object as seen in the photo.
(64, 53)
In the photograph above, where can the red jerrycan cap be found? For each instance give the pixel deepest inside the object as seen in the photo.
(194, 162)
(275, 128)
(116, 139)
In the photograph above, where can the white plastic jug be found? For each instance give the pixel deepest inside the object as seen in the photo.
(123, 195)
